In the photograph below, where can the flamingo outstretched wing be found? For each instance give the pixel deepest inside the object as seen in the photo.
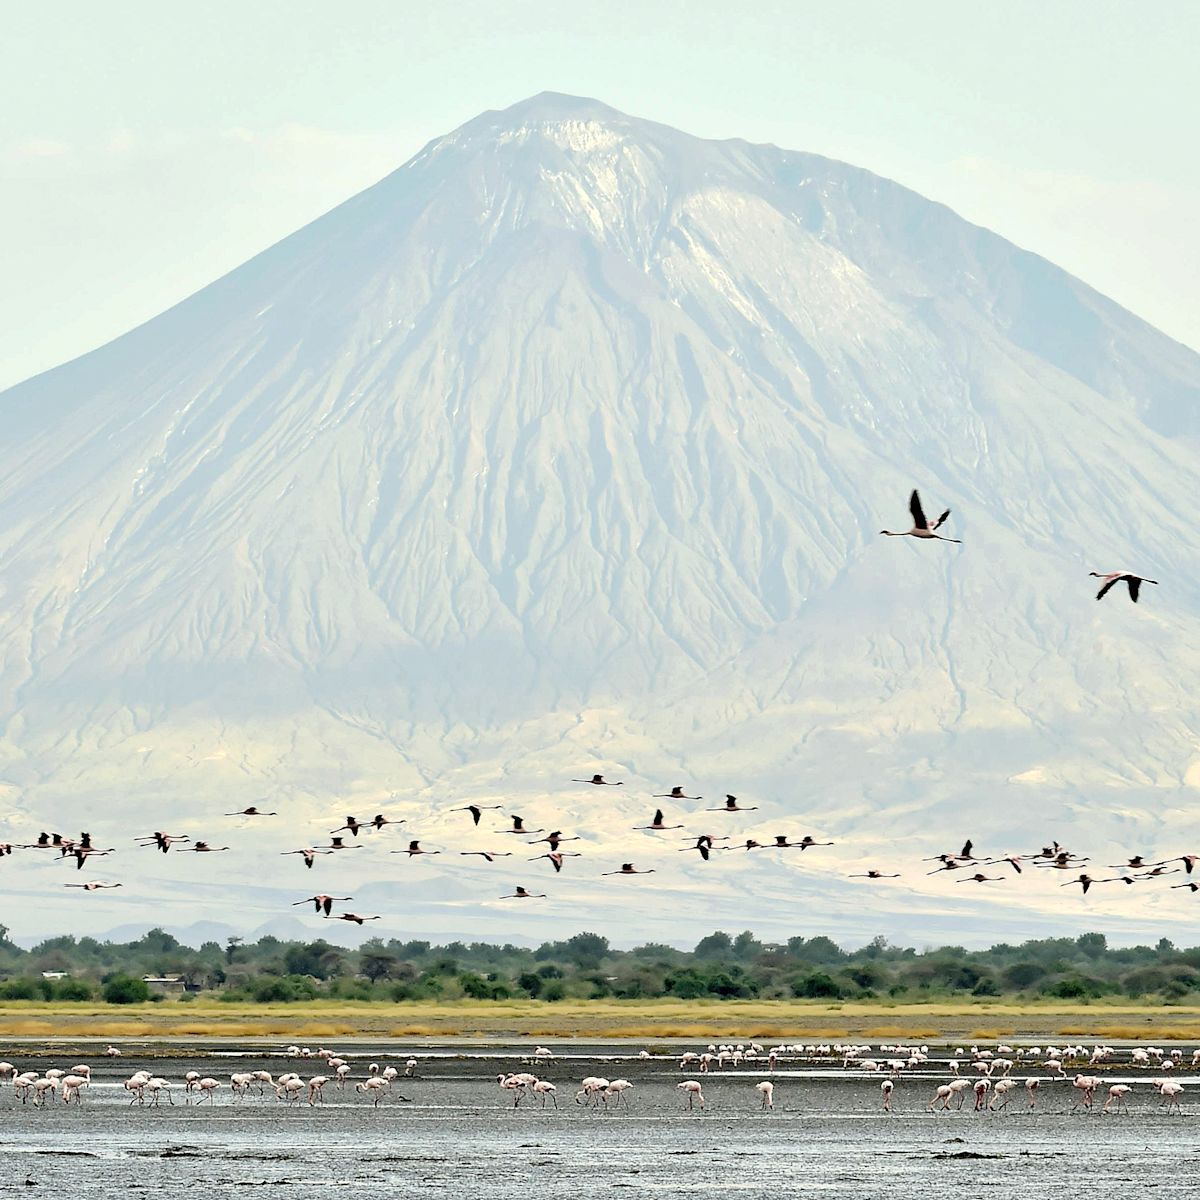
(918, 513)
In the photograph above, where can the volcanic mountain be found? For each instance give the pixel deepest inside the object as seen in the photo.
(565, 448)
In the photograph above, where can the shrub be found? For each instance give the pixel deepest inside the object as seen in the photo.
(126, 989)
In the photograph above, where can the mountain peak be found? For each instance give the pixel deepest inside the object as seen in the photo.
(564, 449)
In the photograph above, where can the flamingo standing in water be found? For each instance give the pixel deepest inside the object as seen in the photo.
(766, 1090)
(693, 1091)
(1134, 582)
(921, 526)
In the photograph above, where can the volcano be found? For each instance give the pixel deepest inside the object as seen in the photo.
(565, 448)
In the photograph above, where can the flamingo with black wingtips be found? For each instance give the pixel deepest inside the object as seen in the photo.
(731, 805)
(309, 854)
(414, 848)
(676, 793)
(629, 869)
(921, 526)
(556, 858)
(519, 828)
(1134, 583)
(321, 902)
(599, 781)
(477, 810)
(657, 826)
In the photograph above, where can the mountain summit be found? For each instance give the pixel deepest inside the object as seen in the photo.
(566, 447)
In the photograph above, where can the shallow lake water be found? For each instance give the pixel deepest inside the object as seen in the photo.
(451, 1129)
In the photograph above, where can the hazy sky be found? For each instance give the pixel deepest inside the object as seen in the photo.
(146, 148)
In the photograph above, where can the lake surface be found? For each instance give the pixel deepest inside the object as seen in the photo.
(456, 1133)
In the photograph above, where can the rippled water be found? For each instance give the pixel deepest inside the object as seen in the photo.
(455, 1131)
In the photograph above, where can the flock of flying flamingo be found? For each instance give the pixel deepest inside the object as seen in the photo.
(706, 837)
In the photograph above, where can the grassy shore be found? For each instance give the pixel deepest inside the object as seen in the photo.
(636, 1019)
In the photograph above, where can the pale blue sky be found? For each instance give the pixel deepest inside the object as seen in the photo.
(147, 147)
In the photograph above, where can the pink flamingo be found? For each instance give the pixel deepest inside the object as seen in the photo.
(921, 526)
(1134, 582)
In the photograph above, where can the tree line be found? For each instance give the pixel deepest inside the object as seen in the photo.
(720, 966)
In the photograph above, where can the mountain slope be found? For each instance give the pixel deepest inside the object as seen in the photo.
(568, 443)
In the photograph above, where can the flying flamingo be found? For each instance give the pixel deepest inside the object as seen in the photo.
(1191, 887)
(415, 848)
(657, 825)
(490, 855)
(251, 812)
(553, 839)
(378, 821)
(921, 527)
(1013, 860)
(1189, 861)
(82, 853)
(629, 869)
(1113, 578)
(676, 793)
(981, 878)
(873, 874)
(522, 894)
(352, 825)
(355, 918)
(203, 848)
(704, 844)
(556, 858)
(519, 827)
(309, 854)
(162, 841)
(598, 781)
(477, 810)
(94, 886)
(731, 805)
(321, 902)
